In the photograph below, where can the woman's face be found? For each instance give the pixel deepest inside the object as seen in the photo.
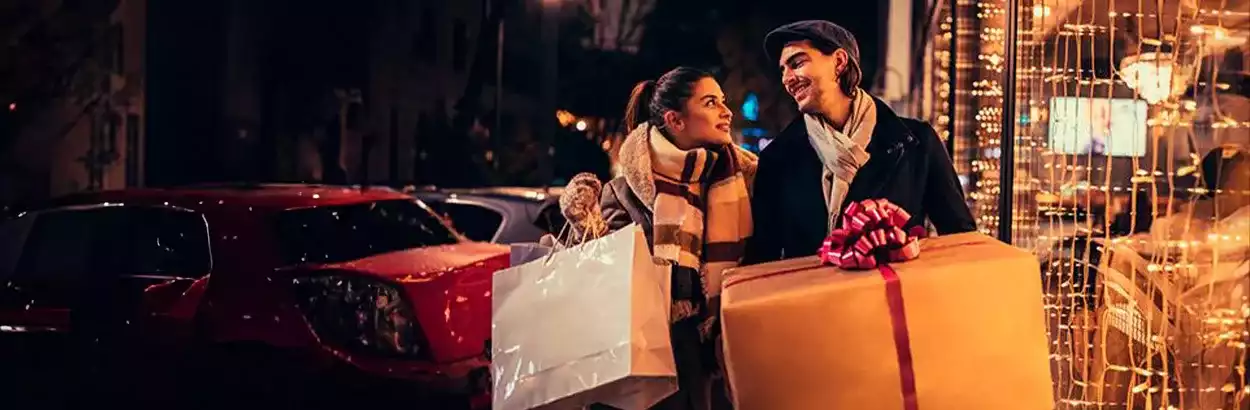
(704, 119)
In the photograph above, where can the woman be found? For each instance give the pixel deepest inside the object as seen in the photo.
(685, 182)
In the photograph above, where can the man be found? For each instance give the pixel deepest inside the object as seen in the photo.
(846, 146)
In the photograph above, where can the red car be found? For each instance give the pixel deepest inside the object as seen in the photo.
(295, 295)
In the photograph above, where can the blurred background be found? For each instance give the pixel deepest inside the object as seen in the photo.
(108, 94)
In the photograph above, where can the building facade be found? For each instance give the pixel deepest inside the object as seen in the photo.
(339, 93)
(87, 133)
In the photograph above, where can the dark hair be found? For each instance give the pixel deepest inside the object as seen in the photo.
(850, 77)
(652, 98)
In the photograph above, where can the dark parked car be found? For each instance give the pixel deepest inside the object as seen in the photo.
(500, 215)
(265, 296)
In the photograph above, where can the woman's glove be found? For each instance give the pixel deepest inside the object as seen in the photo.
(580, 205)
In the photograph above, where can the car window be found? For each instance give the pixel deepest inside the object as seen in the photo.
(474, 221)
(66, 244)
(329, 234)
(436, 205)
(550, 219)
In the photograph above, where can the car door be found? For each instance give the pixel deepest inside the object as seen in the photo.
(105, 271)
(86, 291)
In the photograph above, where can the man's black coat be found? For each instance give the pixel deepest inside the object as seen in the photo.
(908, 166)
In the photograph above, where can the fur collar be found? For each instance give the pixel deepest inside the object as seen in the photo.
(635, 160)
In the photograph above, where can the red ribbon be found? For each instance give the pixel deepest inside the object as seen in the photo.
(902, 339)
(871, 236)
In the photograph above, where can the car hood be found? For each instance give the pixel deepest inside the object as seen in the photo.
(420, 265)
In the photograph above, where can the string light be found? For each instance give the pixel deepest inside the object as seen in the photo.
(942, 70)
(1063, 192)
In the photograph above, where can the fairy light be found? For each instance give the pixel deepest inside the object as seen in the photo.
(965, 35)
(942, 71)
(1061, 192)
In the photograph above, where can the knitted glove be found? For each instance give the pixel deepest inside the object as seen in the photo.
(580, 205)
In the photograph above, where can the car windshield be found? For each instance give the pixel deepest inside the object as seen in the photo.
(329, 234)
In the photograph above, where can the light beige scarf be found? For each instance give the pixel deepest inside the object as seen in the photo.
(843, 151)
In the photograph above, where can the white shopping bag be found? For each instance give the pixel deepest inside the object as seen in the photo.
(584, 325)
(522, 253)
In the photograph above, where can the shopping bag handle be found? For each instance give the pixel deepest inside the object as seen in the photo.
(562, 240)
(559, 244)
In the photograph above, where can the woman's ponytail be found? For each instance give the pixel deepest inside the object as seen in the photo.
(638, 111)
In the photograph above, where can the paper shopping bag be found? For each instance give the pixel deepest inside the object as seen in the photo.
(521, 253)
(585, 325)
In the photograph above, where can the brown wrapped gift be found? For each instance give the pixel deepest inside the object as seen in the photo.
(962, 327)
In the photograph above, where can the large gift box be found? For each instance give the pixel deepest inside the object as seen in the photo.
(583, 325)
(961, 327)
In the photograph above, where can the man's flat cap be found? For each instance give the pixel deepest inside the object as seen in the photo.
(812, 30)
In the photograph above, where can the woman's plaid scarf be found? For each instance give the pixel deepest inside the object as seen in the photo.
(702, 214)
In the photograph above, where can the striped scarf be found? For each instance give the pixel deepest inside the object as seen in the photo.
(702, 214)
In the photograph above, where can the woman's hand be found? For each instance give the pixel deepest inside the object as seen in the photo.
(580, 205)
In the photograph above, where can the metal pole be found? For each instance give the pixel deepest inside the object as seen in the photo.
(496, 132)
(1007, 157)
(546, 129)
(953, 79)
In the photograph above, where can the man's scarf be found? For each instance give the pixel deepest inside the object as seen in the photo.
(842, 152)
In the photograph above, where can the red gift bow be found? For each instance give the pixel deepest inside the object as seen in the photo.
(871, 234)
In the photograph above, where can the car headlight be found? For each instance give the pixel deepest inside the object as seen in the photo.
(358, 313)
